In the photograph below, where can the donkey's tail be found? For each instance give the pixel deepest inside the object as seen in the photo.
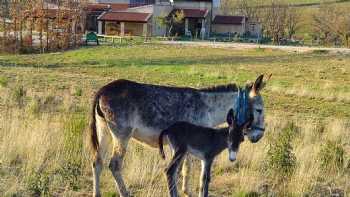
(160, 143)
(93, 133)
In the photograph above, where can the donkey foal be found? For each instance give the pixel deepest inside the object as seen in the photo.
(202, 142)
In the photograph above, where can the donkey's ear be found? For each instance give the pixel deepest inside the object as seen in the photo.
(258, 84)
(230, 118)
(266, 80)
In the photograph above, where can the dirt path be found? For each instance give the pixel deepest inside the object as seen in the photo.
(299, 49)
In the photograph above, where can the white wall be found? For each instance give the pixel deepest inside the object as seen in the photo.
(112, 1)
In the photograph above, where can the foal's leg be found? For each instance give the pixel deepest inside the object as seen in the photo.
(171, 172)
(205, 178)
(121, 139)
(186, 169)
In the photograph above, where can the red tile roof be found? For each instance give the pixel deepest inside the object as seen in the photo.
(97, 7)
(231, 20)
(192, 13)
(118, 6)
(107, 6)
(125, 17)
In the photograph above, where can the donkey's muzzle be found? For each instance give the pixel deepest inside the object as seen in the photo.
(232, 156)
(255, 136)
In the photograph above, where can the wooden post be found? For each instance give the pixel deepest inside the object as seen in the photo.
(99, 30)
(186, 26)
(122, 28)
(203, 29)
(144, 33)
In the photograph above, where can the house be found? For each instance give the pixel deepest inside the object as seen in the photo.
(236, 25)
(141, 18)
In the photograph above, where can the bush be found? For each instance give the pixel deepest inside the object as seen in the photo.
(3, 81)
(47, 104)
(331, 156)
(18, 95)
(281, 161)
(34, 106)
(38, 183)
(78, 92)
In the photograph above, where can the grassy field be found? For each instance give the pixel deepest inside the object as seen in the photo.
(44, 102)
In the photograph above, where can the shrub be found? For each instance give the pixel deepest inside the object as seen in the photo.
(3, 81)
(281, 160)
(38, 184)
(46, 104)
(78, 92)
(331, 156)
(34, 106)
(18, 95)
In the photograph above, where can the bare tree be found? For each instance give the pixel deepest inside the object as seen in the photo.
(274, 20)
(331, 24)
(292, 21)
(5, 15)
(247, 8)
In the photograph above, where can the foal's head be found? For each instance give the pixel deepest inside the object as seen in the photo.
(235, 134)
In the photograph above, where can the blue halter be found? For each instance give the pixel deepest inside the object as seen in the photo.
(241, 107)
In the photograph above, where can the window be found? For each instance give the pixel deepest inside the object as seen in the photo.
(252, 27)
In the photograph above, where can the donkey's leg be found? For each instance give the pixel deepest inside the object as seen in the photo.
(121, 139)
(171, 172)
(205, 178)
(97, 162)
(186, 169)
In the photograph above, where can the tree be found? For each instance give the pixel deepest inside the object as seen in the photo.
(331, 24)
(171, 21)
(292, 21)
(274, 20)
(4, 15)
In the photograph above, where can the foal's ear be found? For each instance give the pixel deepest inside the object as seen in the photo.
(230, 118)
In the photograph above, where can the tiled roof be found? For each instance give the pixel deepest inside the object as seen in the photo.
(232, 20)
(125, 17)
(192, 13)
(118, 6)
(97, 7)
(107, 6)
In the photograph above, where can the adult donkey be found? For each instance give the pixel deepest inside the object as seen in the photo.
(128, 109)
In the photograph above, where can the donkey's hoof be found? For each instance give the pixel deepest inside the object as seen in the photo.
(96, 195)
(126, 194)
(186, 194)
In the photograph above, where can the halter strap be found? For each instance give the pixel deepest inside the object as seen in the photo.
(241, 106)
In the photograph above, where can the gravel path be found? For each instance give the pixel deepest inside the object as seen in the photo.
(300, 49)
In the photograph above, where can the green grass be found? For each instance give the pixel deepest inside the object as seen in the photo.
(315, 76)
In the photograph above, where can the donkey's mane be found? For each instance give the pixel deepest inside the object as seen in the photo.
(220, 88)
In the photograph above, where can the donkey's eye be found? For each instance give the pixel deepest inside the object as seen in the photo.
(259, 111)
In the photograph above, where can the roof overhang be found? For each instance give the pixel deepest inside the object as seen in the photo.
(191, 13)
(229, 20)
(125, 16)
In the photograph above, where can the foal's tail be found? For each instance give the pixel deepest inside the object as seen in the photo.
(160, 143)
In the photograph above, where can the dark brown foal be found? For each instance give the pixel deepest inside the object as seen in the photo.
(202, 142)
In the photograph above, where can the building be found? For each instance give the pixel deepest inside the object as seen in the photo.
(143, 18)
(236, 25)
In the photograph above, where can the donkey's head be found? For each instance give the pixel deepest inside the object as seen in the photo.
(235, 134)
(255, 131)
